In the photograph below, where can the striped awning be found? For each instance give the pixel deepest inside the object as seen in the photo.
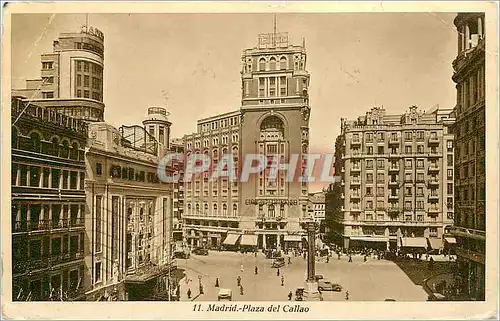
(248, 240)
(231, 239)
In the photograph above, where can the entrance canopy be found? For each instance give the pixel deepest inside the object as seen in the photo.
(435, 243)
(293, 238)
(414, 242)
(231, 239)
(369, 238)
(248, 240)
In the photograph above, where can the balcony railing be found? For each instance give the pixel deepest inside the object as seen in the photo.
(33, 264)
(433, 168)
(46, 225)
(393, 140)
(433, 140)
(394, 169)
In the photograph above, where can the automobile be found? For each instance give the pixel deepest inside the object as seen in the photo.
(318, 277)
(278, 262)
(181, 255)
(200, 251)
(389, 299)
(299, 294)
(324, 285)
(225, 295)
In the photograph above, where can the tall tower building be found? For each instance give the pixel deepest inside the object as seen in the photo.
(470, 167)
(71, 80)
(158, 126)
(275, 122)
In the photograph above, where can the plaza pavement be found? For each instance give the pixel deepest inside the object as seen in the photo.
(374, 280)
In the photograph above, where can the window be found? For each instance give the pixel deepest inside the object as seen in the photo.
(98, 272)
(369, 191)
(78, 80)
(283, 63)
(98, 169)
(369, 164)
(450, 160)
(48, 94)
(420, 149)
(449, 145)
(235, 210)
(380, 205)
(370, 150)
(369, 205)
(78, 93)
(380, 136)
(369, 137)
(420, 191)
(272, 63)
(408, 191)
(380, 177)
(78, 66)
(449, 202)
(420, 135)
(420, 163)
(408, 163)
(407, 177)
(408, 206)
(47, 65)
(381, 150)
(449, 215)
(262, 64)
(380, 191)
(450, 188)
(408, 136)
(420, 177)
(420, 205)
(86, 94)
(380, 163)
(408, 149)
(369, 178)
(86, 66)
(86, 81)
(161, 133)
(450, 174)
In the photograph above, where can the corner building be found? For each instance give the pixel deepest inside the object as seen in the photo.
(274, 121)
(470, 167)
(397, 180)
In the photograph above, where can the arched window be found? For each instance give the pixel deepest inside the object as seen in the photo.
(283, 63)
(54, 150)
(205, 208)
(235, 210)
(224, 209)
(272, 123)
(74, 151)
(262, 64)
(270, 210)
(35, 142)
(215, 209)
(14, 137)
(65, 149)
(272, 63)
(189, 208)
(197, 209)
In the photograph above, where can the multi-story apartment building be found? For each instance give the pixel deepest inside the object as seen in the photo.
(177, 146)
(470, 168)
(317, 206)
(272, 121)
(397, 179)
(129, 221)
(71, 76)
(48, 204)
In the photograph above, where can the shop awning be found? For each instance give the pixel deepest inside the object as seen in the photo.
(435, 243)
(414, 242)
(231, 239)
(450, 240)
(293, 238)
(248, 240)
(369, 238)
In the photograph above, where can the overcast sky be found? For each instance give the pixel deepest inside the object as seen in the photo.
(356, 61)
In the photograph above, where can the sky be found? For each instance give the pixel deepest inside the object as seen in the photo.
(191, 63)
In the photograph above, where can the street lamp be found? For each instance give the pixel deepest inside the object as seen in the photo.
(311, 292)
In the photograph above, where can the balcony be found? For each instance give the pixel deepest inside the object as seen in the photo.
(433, 168)
(355, 169)
(355, 181)
(433, 210)
(356, 142)
(393, 197)
(46, 225)
(433, 182)
(393, 169)
(394, 141)
(355, 196)
(393, 211)
(394, 155)
(435, 155)
(356, 209)
(433, 140)
(433, 197)
(33, 264)
(393, 183)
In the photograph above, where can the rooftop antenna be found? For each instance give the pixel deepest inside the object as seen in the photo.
(87, 22)
(274, 32)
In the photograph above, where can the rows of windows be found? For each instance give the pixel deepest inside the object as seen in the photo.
(394, 136)
(128, 173)
(35, 143)
(196, 209)
(88, 83)
(90, 47)
(271, 63)
(273, 86)
(47, 177)
(39, 217)
(223, 123)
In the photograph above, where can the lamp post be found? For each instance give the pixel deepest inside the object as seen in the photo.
(311, 292)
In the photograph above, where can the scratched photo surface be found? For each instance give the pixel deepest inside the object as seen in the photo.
(248, 157)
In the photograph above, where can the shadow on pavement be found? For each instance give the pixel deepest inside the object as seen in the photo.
(418, 271)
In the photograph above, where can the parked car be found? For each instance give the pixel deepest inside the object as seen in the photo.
(181, 255)
(279, 262)
(225, 295)
(324, 285)
(200, 251)
(319, 277)
(299, 294)
(389, 299)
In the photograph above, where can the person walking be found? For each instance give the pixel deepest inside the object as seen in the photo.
(256, 270)
(238, 280)
(350, 258)
(241, 267)
(189, 293)
(289, 260)
(282, 280)
(278, 272)
(347, 295)
(217, 282)
(241, 289)
(290, 296)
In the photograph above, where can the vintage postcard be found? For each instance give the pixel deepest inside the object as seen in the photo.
(257, 160)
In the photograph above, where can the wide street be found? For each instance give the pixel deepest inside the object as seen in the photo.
(374, 280)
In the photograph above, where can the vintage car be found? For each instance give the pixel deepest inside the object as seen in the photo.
(278, 262)
(200, 251)
(181, 255)
(225, 295)
(324, 285)
(299, 294)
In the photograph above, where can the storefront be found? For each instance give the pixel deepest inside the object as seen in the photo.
(417, 245)
(293, 242)
(369, 242)
(231, 241)
(248, 242)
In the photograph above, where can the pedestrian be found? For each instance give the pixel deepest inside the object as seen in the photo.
(289, 260)
(256, 270)
(241, 289)
(350, 258)
(238, 280)
(347, 295)
(327, 259)
(241, 267)
(255, 253)
(189, 293)
(278, 272)
(338, 256)
(282, 280)
(365, 258)
(290, 296)
(217, 282)
(201, 289)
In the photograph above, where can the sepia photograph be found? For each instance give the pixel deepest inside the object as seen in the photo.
(254, 163)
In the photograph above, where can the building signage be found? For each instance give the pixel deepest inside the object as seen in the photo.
(272, 40)
(253, 201)
(92, 31)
